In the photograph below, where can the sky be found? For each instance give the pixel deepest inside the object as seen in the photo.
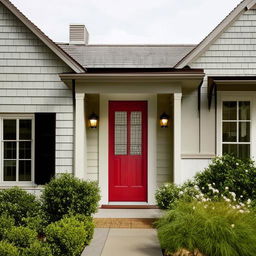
(129, 21)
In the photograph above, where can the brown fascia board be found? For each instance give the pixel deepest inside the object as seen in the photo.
(73, 64)
(213, 35)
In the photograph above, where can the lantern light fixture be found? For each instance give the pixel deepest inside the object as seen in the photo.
(164, 120)
(93, 120)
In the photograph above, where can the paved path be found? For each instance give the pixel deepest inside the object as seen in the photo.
(125, 242)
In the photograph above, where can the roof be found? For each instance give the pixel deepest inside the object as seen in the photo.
(127, 56)
(210, 38)
(73, 64)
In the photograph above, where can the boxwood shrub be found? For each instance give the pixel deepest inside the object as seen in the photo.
(37, 249)
(6, 223)
(67, 236)
(8, 249)
(69, 195)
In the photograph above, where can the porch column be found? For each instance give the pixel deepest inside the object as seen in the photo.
(80, 137)
(177, 137)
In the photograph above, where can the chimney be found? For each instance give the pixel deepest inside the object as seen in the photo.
(78, 34)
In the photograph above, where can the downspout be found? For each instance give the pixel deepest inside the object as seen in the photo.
(74, 119)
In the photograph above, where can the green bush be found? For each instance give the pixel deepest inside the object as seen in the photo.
(7, 249)
(37, 249)
(18, 204)
(21, 236)
(214, 228)
(228, 173)
(69, 195)
(6, 223)
(67, 236)
(37, 223)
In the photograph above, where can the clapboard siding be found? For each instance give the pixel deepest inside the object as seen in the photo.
(30, 83)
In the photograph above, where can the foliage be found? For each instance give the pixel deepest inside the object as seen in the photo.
(67, 236)
(69, 195)
(21, 236)
(7, 249)
(215, 228)
(18, 204)
(228, 173)
(37, 223)
(37, 249)
(6, 223)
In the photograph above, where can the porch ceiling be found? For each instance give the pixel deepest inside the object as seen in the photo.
(185, 79)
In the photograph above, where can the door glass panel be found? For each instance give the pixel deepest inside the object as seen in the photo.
(9, 129)
(244, 110)
(136, 133)
(244, 132)
(229, 132)
(229, 110)
(9, 170)
(120, 133)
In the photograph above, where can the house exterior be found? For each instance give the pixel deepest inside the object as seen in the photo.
(48, 92)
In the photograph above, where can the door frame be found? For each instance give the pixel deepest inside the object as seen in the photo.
(151, 145)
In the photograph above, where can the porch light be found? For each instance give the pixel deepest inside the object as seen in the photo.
(93, 120)
(164, 119)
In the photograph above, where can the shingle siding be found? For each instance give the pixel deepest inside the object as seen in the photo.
(29, 83)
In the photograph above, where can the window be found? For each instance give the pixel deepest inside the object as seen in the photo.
(236, 128)
(17, 149)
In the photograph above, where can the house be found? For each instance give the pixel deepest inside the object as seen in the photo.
(48, 92)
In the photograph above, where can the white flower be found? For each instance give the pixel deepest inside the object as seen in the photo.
(181, 192)
(213, 184)
(202, 187)
(242, 211)
(232, 225)
(246, 171)
(227, 188)
(237, 164)
(241, 196)
(249, 201)
(194, 207)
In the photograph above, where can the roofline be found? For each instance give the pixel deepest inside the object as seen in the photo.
(73, 64)
(201, 47)
(129, 45)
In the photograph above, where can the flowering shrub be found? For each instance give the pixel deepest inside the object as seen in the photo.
(213, 228)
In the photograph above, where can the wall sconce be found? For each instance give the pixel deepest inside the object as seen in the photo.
(93, 120)
(164, 119)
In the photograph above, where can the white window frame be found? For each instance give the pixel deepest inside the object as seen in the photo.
(17, 117)
(236, 96)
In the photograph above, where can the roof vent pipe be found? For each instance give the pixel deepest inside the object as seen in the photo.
(78, 34)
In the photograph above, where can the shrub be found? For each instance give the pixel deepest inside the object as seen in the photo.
(21, 236)
(66, 194)
(18, 204)
(37, 249)
(66, 236)
(214, 228)
(229, 173)
(7, 249)
(36, 223)
(6, 223)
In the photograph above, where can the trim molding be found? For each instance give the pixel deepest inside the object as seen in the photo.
(197, 156)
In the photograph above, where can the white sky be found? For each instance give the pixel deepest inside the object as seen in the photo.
(129, 21)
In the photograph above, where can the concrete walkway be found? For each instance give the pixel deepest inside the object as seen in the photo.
(125, 242)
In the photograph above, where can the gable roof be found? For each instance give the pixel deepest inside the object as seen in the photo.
(127, 56)
(201, 47)
(73, 64)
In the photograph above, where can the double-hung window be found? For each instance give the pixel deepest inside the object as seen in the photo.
(236, 128)
(17, 149)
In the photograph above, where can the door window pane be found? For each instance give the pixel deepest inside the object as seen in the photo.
(229, 110)
(10, 150)
(24, 170)
(229, 132)
(120, 133)
(244, 132)
(9, 129)
(9, 170)
(25, 129)
(244, 110)
(136, 133)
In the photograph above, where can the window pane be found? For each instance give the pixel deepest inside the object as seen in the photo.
(136, 133)
(25, 150)
(25, 129)
(24, 170)
(10, 150)
(230, 149)
(229, 110)
(229, 132)
(9, 129)
(243, 151)
(244, 110)
(120, 133)
(244, 132)
(9, 170)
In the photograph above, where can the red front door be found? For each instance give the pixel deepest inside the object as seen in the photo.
(128, 151)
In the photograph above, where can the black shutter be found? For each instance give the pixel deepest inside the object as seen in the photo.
(45, 126)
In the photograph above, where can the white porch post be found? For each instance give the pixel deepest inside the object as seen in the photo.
(80, 137)
(177, 137)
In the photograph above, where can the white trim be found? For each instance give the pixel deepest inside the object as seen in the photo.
(236, 96)
(103, 142)
(18, 183)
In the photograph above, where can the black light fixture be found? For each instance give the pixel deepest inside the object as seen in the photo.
(164, 119)
(93, 120)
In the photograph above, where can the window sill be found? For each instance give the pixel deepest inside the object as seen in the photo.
(23, 186)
